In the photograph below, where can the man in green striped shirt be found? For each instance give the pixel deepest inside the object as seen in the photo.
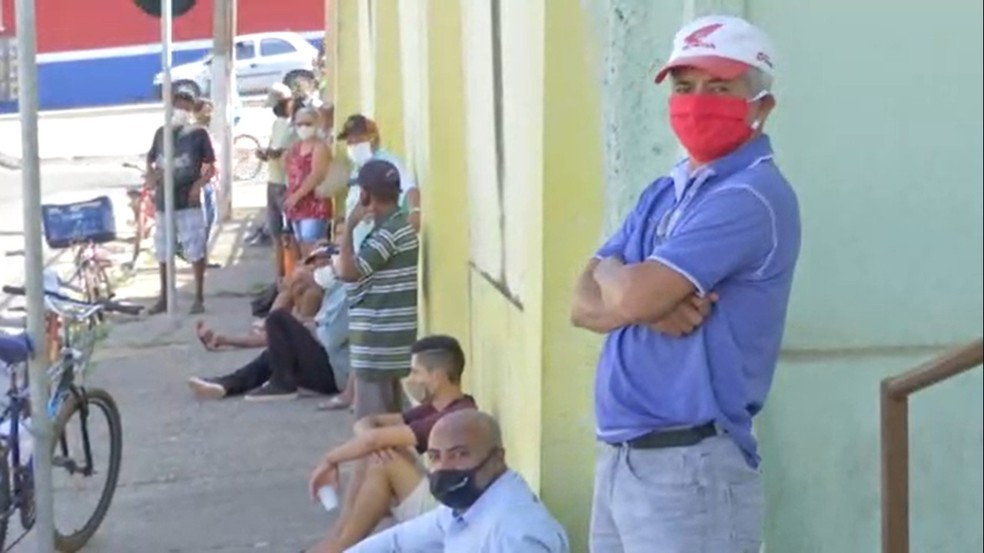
(383, 296)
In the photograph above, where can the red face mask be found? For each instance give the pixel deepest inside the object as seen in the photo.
(709, 126)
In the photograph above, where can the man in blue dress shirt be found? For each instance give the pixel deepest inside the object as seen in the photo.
(486, 508)
(691, 294)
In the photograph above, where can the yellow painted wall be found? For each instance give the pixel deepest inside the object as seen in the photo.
(510, 310)
(446, 306)
(388, 108)
(572, 196)
(502, 199)
(347, 77)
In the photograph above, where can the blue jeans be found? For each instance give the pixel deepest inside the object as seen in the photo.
(702, 498)
(308, 231)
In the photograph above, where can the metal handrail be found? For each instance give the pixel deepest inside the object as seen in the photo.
(895, 392)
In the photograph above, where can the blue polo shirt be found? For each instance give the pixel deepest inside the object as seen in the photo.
(731, 227)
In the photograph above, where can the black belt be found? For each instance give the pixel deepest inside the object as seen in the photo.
(680, 437)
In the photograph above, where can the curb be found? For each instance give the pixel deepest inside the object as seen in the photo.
(14, 163)
(8, 162)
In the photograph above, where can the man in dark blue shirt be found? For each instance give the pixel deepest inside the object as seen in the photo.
(194, 166)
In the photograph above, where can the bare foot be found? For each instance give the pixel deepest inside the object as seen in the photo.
(205, 335)
(204, 389)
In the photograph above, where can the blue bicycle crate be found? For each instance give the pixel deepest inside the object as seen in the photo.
(68, 224)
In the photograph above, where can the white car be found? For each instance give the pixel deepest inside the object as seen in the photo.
(261, 60)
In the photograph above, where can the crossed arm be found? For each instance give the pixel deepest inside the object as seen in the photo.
(610, 295)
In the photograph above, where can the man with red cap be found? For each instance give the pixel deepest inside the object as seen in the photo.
(691, 293)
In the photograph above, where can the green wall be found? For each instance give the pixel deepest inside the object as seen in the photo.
(879, 128)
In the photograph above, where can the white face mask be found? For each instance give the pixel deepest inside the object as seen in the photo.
(360, 153)
(305, 133)
(180, 117)
(324, 276)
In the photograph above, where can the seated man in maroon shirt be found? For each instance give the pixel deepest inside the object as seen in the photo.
(389, 476)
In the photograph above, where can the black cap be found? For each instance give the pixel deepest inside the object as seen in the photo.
(379, 176)
(356, 125)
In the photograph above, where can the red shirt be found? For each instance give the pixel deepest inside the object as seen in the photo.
(298, 168)
(421, 419)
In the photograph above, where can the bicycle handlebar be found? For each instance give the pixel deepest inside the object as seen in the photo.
(105, 305)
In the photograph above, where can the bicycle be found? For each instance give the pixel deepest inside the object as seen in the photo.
(246, 165)
(84, 227)
(144, 215)
(78, 321)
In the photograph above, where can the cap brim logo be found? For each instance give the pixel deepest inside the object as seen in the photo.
(698, 38)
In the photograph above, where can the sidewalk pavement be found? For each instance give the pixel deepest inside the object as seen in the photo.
(227, 476)
(122, 132)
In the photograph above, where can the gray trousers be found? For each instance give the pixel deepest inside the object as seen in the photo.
(699, 499)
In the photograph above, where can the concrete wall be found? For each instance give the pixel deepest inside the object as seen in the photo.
(879, 129)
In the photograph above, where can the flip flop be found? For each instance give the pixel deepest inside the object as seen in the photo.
(334, 403)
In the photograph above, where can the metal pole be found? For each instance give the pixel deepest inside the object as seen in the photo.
(231, 89)
(167, 16)
(895, 471)
(222, 60)
(33, 271)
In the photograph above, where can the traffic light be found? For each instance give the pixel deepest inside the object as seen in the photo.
(153, 7)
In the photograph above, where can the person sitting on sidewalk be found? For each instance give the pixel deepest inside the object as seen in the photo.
(485, 506)
(298, 354)
(395, 484)
(301, 284)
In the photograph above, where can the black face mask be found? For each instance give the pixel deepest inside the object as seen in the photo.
(280, 110)
(457, 488)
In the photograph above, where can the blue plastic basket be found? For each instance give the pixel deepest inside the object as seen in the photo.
(68, 224)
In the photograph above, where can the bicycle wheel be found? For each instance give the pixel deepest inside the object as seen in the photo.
(69, 457)
(245, 164)
(6, 500)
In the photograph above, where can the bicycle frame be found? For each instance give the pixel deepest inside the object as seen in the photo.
(62, 374)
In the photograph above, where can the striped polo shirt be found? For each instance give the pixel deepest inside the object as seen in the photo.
(383, 312)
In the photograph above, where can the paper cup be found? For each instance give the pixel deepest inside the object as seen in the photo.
(328, 498)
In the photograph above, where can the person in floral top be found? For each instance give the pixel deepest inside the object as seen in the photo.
(307, 165)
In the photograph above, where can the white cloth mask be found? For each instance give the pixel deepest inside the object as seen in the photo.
(180, 117)
(324, 276)
(360, 153)
(306, 132)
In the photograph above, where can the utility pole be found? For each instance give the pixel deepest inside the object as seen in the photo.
(167, 20)
(223, 81)
(41, 429)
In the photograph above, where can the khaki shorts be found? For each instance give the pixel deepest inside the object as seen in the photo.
(417, 503)
(375, 395)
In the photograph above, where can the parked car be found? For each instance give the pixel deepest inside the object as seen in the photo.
(261, 60)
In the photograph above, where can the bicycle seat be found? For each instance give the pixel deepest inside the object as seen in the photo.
(15, 348)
